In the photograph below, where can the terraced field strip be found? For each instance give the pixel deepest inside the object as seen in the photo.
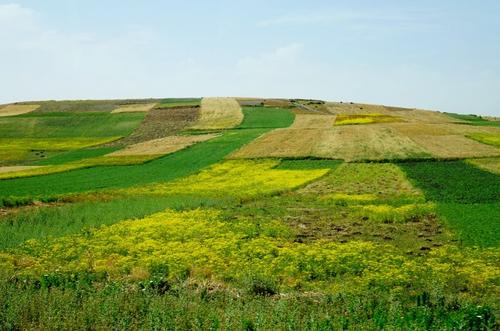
(371, 142)
(488, 164)
(219, 113)
(454, 146)
(9, 169)
(13, 110)
(132, 108)
(162, 146)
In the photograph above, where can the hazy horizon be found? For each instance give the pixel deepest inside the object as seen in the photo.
(433, 55)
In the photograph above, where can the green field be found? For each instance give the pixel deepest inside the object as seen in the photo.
(196, 240)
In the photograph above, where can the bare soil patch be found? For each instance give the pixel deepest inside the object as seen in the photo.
(160, 123)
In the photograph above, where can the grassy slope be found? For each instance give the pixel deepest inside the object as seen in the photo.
(172, 166)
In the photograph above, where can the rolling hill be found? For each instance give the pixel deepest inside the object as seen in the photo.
(247, 213)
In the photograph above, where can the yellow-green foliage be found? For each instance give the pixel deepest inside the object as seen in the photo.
(237, 178)
(486, 138)
(19, 148)
(393, 214)
(349, 119)
(200, 243)
(86, 163)
(362, 181)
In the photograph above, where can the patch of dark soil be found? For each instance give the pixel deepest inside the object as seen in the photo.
(160, 123)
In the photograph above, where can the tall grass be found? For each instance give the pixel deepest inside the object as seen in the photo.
(161, 306)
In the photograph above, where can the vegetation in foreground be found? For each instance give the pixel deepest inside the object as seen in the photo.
(194, 241)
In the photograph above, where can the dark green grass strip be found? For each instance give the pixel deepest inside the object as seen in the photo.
(475, 224)
(266, 117)
(307, 164)
(454, 181)
(77, 155)
(172, 166)
(57, 221)
(474, 120)
(69, 125)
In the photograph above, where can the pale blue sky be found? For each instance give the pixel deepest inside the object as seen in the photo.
(442, 55)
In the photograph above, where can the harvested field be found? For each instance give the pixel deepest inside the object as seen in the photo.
(303, 121)
(374, 142)
(252, 102)
(162, 146)
(454, 146)
(488, 164)
(355, 108)
(133, 108)
(219, 113)
(12, 110)
(160, 123)
(280, 103)
(345, 119)
(281, 143)
(8, 169)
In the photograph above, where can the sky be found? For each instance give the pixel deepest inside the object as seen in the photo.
(441, 54)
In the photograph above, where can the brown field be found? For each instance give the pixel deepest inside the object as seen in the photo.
(162, 146)
(160, 123)
(439, 129)
(133, 108)
(309, 121)
(281, 143)
(454, 146)
(12, 110)
(7, 169)
(369, 142)
(219, 113)
(488, 164)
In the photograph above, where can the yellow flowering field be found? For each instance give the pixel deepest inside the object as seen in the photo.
(238, 178)
(205, 246)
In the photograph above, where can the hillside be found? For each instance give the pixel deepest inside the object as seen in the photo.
(247, 213)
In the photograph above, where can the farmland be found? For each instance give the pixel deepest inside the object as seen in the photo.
(247, 214)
